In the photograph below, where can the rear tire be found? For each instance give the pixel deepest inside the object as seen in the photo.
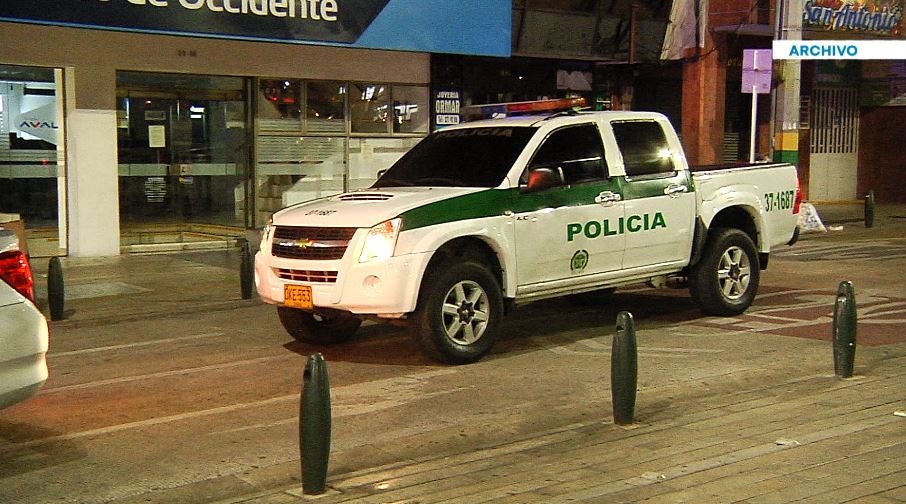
(458, 313)
(725, 280)
(317, 328)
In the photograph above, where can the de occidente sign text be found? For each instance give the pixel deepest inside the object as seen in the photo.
(333, 21)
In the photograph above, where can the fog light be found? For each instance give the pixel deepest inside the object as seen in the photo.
(371, 285)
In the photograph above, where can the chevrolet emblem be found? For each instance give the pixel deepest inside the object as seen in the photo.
(302, 243)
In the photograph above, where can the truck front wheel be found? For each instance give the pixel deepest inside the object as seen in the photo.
(458, 312)
(725, 280)
(319, 329)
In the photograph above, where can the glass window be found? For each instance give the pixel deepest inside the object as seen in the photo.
(369, 107)
(280, 106)
(410, 109)
(32, 158)
(325, 107)
(477, 157)
(644, 147)
(303, 145)
(577, 150)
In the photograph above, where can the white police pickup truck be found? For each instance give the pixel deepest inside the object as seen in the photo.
(482, 216)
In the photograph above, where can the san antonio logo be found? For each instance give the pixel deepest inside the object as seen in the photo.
(579, 261)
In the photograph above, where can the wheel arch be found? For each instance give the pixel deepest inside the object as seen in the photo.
(744, 217)
(470, 247)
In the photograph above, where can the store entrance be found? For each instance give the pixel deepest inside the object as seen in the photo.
(834, 144)
(183, 160)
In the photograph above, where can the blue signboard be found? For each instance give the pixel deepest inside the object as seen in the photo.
(478, 27)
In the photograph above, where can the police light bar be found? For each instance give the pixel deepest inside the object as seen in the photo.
(525, 107)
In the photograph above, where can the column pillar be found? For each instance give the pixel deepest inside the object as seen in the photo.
(704, 95)
(92, 174)
(786, 108)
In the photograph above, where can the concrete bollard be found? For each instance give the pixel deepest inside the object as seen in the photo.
(246, 270)
(844, 330)
(56, 293)
(624, 370)
(314, 425)
(870, 209)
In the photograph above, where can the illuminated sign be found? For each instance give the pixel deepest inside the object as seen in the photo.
(308, 20)
(479, 27)
(882, 17)
(447, 106)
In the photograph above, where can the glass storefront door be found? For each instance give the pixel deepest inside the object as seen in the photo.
(183, 158)
(32, 158)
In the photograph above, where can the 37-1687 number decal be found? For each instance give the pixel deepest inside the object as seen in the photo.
(782, 200)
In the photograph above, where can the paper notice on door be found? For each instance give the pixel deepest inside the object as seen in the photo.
(157, 136)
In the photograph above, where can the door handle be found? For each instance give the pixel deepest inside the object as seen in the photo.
(607, 198)
(674, 190)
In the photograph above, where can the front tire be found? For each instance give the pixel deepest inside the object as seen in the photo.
(725, 280)
(458, 313)
(317, 328)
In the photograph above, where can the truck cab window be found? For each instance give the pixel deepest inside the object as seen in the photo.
(644, 148)
(576, 150)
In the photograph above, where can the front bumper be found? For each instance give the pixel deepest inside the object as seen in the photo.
(386, 288)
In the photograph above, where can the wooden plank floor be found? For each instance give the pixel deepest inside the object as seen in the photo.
(808, 439)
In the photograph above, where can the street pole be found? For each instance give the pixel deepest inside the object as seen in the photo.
(753, 126)
(786, 105)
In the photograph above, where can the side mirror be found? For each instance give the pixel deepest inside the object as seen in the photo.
(540, 179)
(381, 173)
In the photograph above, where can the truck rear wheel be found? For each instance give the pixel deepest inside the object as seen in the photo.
(458, 312)
(725, 280)
(316, 328)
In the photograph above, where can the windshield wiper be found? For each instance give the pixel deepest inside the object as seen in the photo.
(442, 180)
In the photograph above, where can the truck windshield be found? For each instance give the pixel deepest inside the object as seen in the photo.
(476, 157)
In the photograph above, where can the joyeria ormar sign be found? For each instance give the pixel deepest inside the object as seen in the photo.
(456, 26)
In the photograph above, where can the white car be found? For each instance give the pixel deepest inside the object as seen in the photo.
(23, 329)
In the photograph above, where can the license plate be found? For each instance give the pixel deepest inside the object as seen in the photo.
(297, 296)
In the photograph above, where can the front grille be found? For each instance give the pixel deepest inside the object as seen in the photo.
(297, 242)
(307, 275)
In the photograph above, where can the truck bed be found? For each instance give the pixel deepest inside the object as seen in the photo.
(731, 166)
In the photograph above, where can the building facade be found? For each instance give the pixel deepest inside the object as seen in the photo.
(847, 144)
(190, 122)
(827, 117)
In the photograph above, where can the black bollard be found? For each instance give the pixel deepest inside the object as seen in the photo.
(624, 370)
(870, 209)
(844, 330)
(56, 294)
(314, 425)
(246, 270)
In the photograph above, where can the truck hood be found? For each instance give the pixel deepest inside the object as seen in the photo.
(365, 208)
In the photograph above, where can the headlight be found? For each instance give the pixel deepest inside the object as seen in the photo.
(381, 241)
(266, 234)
